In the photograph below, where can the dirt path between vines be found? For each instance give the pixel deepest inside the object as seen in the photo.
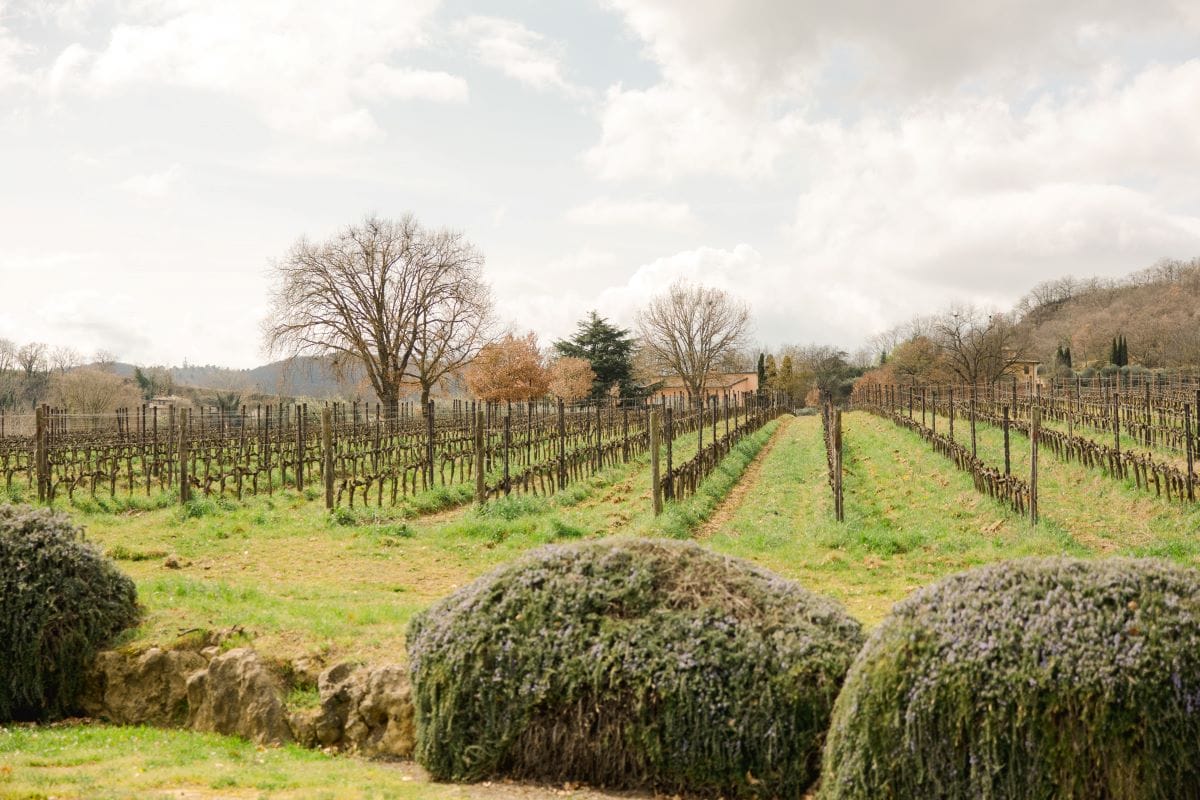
(749, 480)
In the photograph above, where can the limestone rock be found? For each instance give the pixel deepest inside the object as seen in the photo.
(238, 695)
(364, 710)
(147, 688)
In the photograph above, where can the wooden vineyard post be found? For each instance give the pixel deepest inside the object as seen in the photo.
(973, 452)
(1149, 418)
(625, 434)
(655, 477)
(1034, 432)
(327, 455)
(1007, 452)
(480, 483)
(299, 448)
(429, 434)
(1191, 451)
(185, 489)
(1117, 422)
(950, 404)
(40, 459)
(670, 437)
(839, 507)
(507, 446)
(562, 445)
(599, 438)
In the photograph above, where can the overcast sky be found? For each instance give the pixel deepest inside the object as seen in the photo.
(841, 166)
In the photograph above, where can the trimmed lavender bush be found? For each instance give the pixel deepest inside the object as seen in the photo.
(1028, 679)
(60, 600)
(630, 664)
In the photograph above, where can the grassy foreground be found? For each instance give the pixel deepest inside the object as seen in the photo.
(300, 582)
(303, 583)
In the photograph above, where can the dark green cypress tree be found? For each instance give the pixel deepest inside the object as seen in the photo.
(1114, 355)
(608, 349)
(762, 369)
(1067, 356)
(1124, 351)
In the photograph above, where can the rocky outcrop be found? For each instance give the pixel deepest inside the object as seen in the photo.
(238, 695)
(148, 688)
(363, 710)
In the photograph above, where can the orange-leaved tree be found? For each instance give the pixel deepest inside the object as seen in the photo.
(570, 378)
(511, 368)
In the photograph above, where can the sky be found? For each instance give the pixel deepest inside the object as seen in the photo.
(840, 167)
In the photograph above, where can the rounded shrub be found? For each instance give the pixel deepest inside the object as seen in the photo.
(1034, 678)
(630, 664)
(60, 600)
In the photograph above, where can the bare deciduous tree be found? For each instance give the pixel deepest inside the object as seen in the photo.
(511, 368)
(32, 358)
(571, 379)
(64, 359)
(975, 346)
(90, 391)
(363, 296)
(10, 380)
(451, 332)
(689, 329)
(104, 360)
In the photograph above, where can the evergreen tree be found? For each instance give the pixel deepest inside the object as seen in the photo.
(1067, 357)
(608, 349)
(1114, 355)
(787, 377)
(762, 371)
(1124, 352)
(771, 371)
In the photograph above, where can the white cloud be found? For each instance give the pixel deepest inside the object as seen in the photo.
(517, 51)
(410, 84)
(606, 211)
(976, 197)
(153, 185)
(12, 51)
(790, 302)
(742, 81)
(306, 66)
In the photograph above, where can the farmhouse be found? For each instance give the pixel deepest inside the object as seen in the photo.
(718, 384)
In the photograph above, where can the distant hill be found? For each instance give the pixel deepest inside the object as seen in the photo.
(301, 377)
(1157, 310)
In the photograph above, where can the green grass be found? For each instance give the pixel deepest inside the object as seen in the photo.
(98, 762)
(343, 585)
(911, 517)
(300, 581)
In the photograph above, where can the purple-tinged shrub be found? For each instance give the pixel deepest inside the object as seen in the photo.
(60, 600)
(1028, 679)
(630, 663)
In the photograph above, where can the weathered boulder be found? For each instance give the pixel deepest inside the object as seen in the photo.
(238, 695)
(364, 710)
(146, 688)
